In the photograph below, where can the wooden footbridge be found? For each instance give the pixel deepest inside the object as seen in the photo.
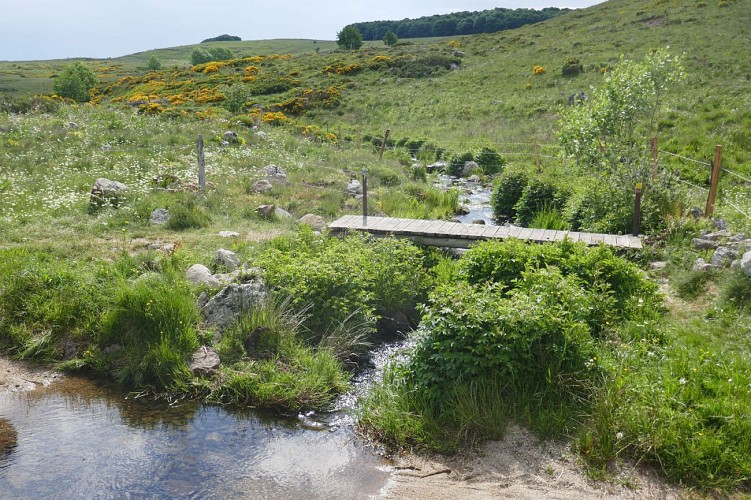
(457, 235)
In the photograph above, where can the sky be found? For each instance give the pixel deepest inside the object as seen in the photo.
(56, 29)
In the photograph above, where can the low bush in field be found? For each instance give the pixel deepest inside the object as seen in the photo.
(520, 323)
(339, 277)
(507, 190)
(537, 196)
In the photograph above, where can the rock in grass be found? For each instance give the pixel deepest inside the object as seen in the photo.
(282, 213)
(227, 305)
(265, 211)
(275, 174)
(746, 263)
(204, 361)
(723, 256)
(314, 221)
(107, 192)
(160, 216)
(227, 259)
(704, 244)
(354, 188)
(198, 274)
(231, 137)
(262, 186)
(701, 265)
(228, 234)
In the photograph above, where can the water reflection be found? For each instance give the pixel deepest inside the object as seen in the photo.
(76, 439)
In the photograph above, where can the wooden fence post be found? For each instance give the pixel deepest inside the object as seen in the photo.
(385, 140)
(637, 210)
(201, 166)
(654, 158)
(716, 167)
(537, 157)
(364, 196)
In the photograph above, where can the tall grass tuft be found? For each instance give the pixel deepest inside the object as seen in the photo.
(149, 332)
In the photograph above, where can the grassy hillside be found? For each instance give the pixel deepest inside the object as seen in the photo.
(494, 96)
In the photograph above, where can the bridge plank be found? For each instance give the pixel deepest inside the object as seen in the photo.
(455, 234)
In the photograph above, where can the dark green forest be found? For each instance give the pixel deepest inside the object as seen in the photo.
(458, 23)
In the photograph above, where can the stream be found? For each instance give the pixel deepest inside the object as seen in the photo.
(473, 195)
(80, 439)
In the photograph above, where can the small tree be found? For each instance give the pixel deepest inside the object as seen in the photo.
(349, 38)
(75, 82)
(236, 97)
(153, 64)
(390, 38)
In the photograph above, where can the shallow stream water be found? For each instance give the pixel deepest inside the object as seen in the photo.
(474, 196)
(77, 439)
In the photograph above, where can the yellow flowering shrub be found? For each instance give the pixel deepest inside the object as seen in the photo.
(341, 69)
(454, 44)
(151, 108)
(538, 70)
(378, 59)
(274, 118)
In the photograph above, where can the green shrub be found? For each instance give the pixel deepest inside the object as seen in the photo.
(456, 165)
(506, 193)
(549, 218)
(75, 82)
(340, 277)
(536, 336)
(490, 161)
(572, 67)
(539, 195)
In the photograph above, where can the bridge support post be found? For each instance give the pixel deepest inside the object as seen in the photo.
(364, 197)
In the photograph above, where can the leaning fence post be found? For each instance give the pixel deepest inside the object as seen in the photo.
(654, 158)
(713, 181)
(385, 140)
(637, 210)
(201, 166)
(364, 197)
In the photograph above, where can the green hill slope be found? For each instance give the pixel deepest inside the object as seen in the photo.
(491, 96)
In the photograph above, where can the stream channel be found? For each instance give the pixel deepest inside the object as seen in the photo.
(81, 439)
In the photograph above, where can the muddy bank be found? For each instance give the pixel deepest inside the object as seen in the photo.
(519, 467)
(16, 376)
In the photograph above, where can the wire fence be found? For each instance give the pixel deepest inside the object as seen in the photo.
(724, 199)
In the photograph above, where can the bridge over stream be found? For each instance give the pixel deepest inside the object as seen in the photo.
(457, 235)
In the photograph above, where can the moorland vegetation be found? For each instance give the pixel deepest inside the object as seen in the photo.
(629, 360)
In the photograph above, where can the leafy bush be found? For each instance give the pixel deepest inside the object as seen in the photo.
(202, 55)
(349, 38)
(490, 161)
(75, 82)
(153, 64)
(506, 193)
(572, 67)
(340, 277)
(539, 195)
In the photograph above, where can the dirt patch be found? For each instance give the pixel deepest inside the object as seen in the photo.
(16, 376)
(655, 22)
(520, 467)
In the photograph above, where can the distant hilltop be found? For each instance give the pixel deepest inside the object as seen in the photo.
(457, 23)
(223, 38)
